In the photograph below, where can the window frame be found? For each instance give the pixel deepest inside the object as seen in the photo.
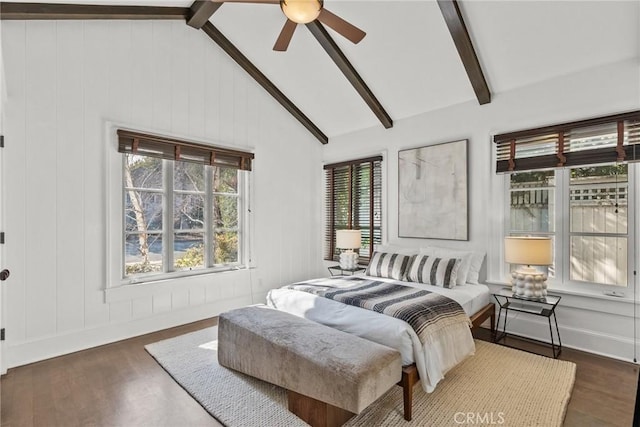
(117, 286)
(562, 235)
(628, 235)
(508, 231)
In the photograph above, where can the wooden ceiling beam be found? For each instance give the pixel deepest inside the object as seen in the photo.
(453, 17)
(330, 46)
(34, 11)
(226, 45)
(201, 11)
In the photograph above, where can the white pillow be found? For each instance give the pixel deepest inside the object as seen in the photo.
(476, 264)
(396, 249)
(466, 258)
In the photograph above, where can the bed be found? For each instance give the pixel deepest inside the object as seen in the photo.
(420, 362)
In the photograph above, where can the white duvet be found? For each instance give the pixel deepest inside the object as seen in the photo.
(448, 349)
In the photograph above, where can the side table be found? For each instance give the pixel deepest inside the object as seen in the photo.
(336, 270)
(545, 307)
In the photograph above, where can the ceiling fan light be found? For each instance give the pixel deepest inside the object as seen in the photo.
(301, 11)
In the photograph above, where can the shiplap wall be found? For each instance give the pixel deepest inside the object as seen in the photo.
(65, 82)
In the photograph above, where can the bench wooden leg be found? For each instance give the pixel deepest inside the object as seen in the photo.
(315, 412)
(409, 379)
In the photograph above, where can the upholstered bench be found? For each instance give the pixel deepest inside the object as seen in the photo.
(329, 375)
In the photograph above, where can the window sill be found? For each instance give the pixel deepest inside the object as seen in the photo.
(577, 292)
(585, 300)
(132, 290)
(161, 277)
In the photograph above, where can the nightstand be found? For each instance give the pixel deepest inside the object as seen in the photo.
(545, 307)
(336, 270)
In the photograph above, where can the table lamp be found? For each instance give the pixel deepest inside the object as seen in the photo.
(348, 240)
(527, 251)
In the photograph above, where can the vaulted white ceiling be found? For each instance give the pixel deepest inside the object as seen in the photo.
(408, 58)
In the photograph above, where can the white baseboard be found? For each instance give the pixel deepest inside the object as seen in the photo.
(34, 351)
(613, 346)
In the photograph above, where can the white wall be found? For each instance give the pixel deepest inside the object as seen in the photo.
(65, 82)
(603, 325)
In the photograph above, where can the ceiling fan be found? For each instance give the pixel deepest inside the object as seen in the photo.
(304, 12)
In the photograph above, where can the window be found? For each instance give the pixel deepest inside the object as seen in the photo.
(532, 205)
(181, 215)
(585, 208)
(598, 212)
(591, 205)
(354, 201)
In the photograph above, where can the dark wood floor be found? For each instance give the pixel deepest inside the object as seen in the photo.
(118, 384)
(121, 385)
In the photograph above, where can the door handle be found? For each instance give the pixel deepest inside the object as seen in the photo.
(4, 274)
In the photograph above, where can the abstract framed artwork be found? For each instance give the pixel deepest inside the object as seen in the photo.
(432, 192)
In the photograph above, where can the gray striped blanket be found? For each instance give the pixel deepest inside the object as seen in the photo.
(426, 312)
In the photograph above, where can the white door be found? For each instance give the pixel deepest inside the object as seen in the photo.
(3, 274)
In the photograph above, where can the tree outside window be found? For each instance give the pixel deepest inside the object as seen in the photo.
(179, 215)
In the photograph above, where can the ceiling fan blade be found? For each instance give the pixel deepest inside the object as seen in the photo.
(285, 36)
(347, 30)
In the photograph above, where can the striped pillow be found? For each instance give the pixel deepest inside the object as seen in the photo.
(388, 265)
(432, 270)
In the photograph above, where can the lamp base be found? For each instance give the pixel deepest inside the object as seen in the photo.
(528, 282)
(348, 260)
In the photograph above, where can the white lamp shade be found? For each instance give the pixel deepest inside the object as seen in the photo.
(301, 11)
(528, 250)
(348, 239)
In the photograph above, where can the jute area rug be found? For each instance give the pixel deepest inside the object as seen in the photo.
(496, 386)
